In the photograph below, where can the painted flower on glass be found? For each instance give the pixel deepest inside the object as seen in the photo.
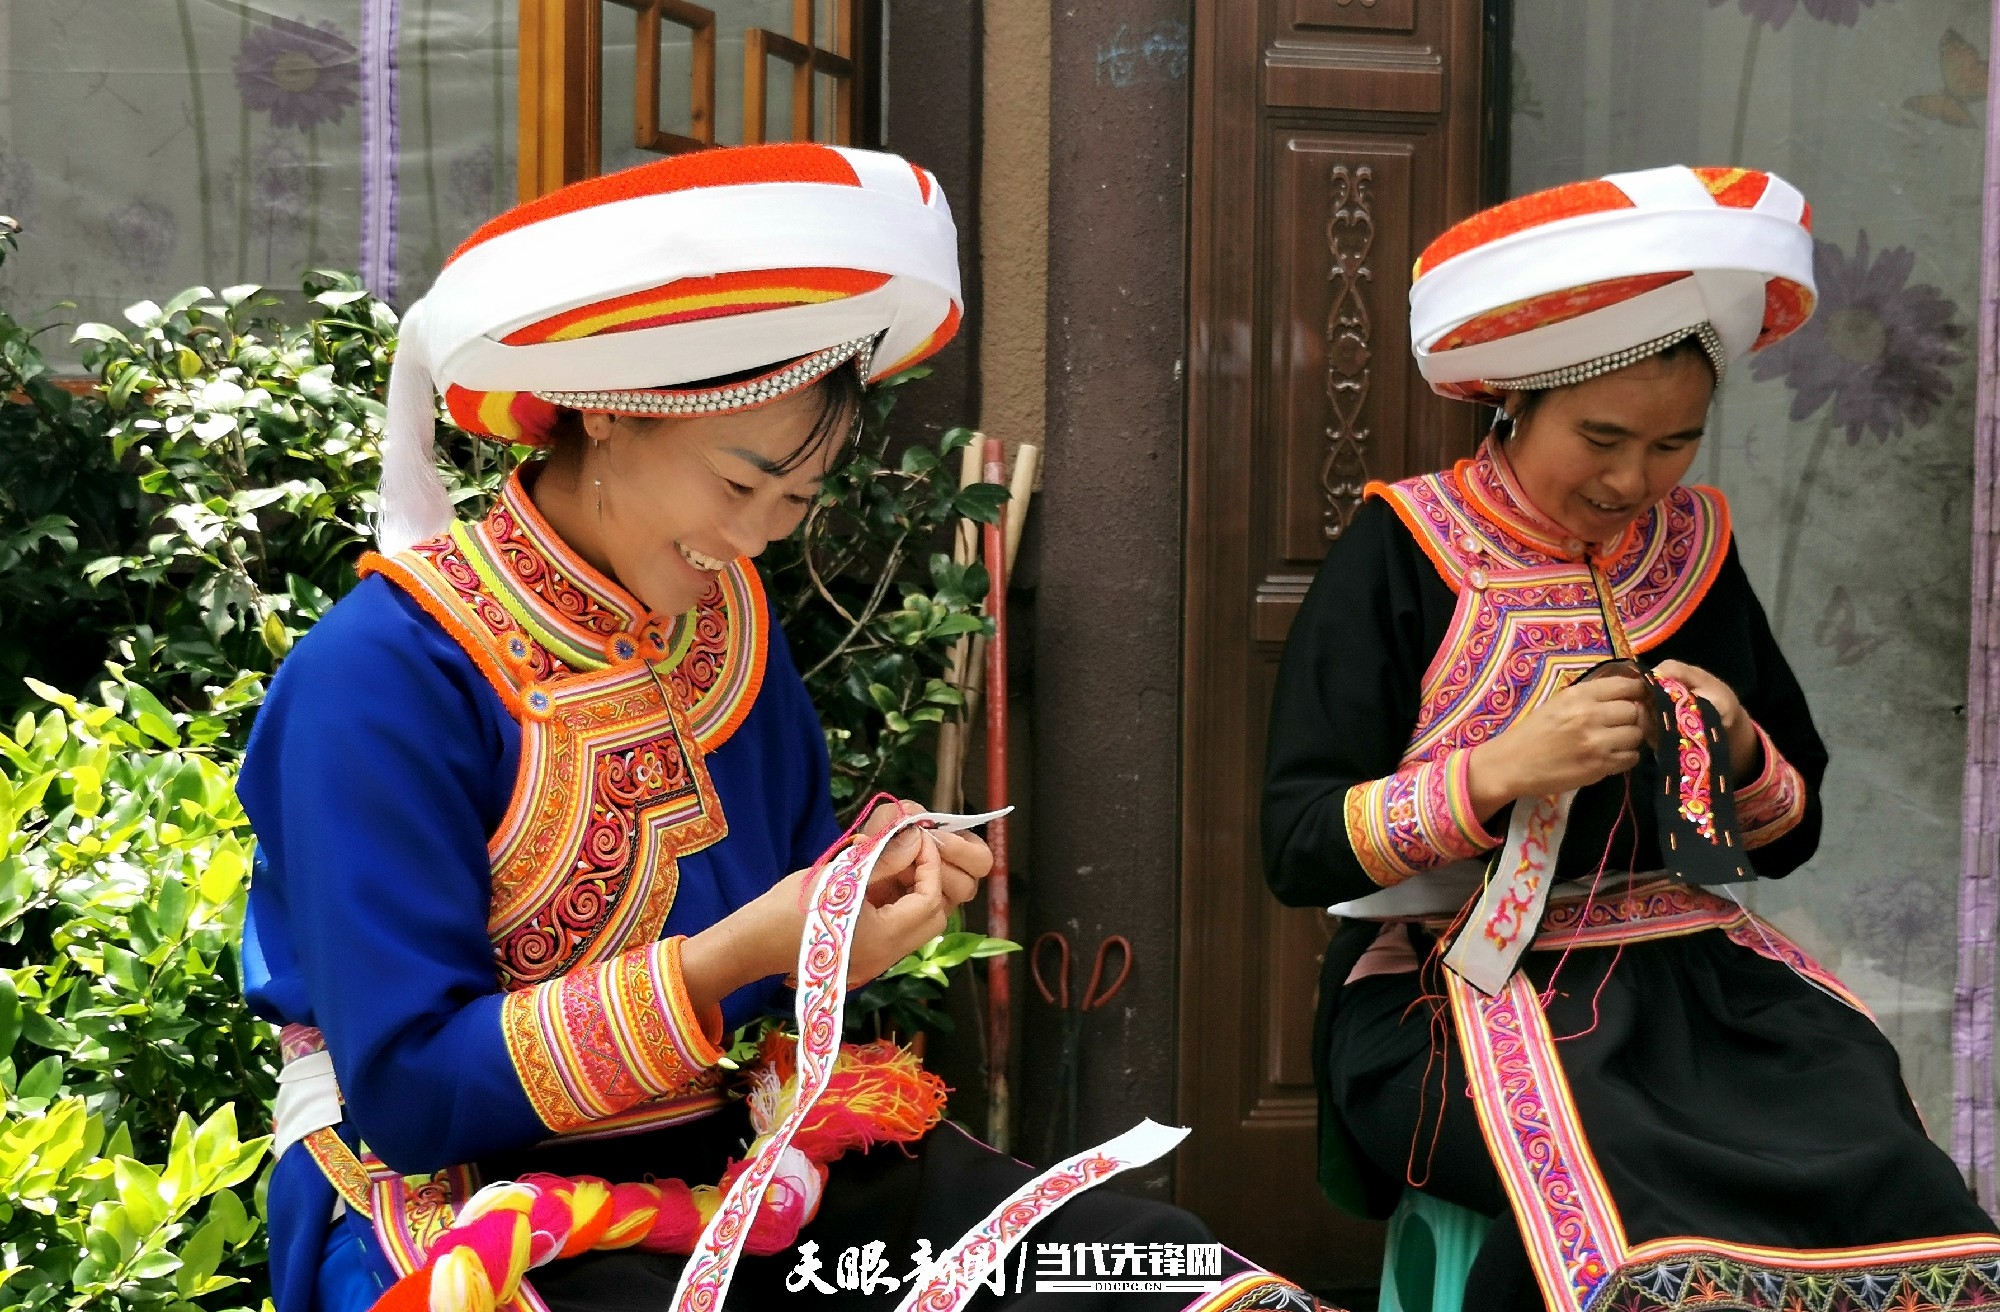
(145, 234)
(301, 75)
(1906, 923)
(278, 179)
(1776, 13)
(1876, 349)
(472, 181)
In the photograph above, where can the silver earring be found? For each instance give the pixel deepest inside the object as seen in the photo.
(597, 449)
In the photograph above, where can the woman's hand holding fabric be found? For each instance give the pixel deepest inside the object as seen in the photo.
(915, 884)
(1736, 721)
(1583, 733)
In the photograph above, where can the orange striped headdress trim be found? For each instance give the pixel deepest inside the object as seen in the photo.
(1546, 285)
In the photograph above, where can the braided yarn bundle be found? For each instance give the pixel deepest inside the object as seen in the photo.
(879, 1093)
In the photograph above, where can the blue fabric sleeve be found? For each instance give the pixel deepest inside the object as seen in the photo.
(772, 777)
(375, 773)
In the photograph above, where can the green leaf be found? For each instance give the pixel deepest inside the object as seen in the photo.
(98, 332)
(43, 1080)
(153, 1265)
(10, 1013)
(152, 717)
(138, 1187)
(124, 968)
(225, 1209)
(224, 874)
(186, 298)
(200, 1256)
(951, 626)
(173, 908)
(981, 502)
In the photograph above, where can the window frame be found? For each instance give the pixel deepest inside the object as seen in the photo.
(561, 118)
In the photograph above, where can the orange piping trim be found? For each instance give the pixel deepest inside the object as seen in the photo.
(758, 622)
(473, 642)
(1711, 570)
(1416, 527)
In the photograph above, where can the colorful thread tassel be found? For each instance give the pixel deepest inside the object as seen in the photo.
(880, 1093)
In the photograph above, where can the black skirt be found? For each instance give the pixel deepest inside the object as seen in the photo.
(935, 1190)
(1723, 1096)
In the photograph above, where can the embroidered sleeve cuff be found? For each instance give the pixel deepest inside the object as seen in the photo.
(1416, 819)
(606, 1037)
(1770, 806)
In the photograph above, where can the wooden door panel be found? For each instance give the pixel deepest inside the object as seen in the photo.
(1394, 15)
(1333, 139)
(1340, 238)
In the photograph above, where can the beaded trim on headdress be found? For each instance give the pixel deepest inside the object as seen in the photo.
(746, 395)
(1711, 345)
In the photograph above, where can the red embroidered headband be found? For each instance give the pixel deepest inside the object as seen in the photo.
(1565, 284)
(787, 260)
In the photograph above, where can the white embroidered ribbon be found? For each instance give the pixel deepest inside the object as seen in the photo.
(956, 1276)
(834, 903)
(1503, 922)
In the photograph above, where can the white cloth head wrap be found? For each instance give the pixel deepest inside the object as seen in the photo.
(891, 220)
(1675, 224)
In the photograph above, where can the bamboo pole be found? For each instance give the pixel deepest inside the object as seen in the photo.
(966, 671)
(945, 790)
(999, 976)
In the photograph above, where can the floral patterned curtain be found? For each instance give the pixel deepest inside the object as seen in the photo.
(1847, 451)
(150, 147)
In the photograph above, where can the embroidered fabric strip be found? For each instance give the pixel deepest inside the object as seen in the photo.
(1508, 914)
(598, 1041)
(835, 897)
(1257, 1291)
(1568, 1223)
(342, 1169)
(957, 1275)
(1416, 819)
(1576, 1239)
(1771, 805)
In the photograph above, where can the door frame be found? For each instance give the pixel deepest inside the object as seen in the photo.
(1227, 610)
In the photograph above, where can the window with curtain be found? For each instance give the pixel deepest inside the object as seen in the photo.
(1847, 451)
(150, 147)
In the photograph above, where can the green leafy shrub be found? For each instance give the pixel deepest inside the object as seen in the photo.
(130, 1065)
(254, 446)
(876, 669)
(63, 499)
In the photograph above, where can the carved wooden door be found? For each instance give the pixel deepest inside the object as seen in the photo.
(1332, 140)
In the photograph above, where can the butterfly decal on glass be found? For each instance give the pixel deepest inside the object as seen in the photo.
(1839, 629)
(1965, 71)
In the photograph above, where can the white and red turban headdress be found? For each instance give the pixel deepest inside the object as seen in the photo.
(783, 262)
(1569, 283)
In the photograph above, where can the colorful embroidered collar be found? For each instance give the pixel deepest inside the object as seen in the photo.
(528, 609)
(1474, 521)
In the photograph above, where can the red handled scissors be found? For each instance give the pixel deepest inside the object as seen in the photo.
(1095, 994)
